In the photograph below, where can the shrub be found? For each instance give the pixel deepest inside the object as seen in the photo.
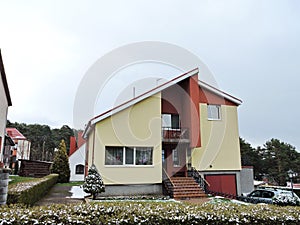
(150, 213)
(61, 164)
(31, 191)
(93, 183)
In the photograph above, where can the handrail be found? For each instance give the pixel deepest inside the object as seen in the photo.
(168, 177)
(199, 179)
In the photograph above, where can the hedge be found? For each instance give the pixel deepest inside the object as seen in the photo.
(29, 192)
(128, 212)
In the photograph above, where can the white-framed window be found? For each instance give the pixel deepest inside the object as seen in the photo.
(171, 121)
(128, 155)
(214, 112)
(175, 156)
(79, 169)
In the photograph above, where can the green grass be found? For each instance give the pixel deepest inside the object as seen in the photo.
(18, 179)
(75, 183)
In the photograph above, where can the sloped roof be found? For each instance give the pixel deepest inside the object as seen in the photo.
(15, 134)
(154, 91)
(4, 81)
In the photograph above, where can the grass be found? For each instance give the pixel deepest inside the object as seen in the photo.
(70, 184)
(18, 179)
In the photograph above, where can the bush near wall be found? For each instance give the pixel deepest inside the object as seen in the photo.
(128, 212)
(31, 191)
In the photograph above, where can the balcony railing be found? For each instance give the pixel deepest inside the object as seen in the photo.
(169, 133)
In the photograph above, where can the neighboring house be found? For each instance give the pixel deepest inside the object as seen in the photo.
(21, 149)
(77, 158)
(165, 132)
(5, 102)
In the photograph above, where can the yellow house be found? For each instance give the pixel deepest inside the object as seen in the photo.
(167, 136)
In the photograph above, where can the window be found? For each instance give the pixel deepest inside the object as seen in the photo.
(171, 121)
(214, 112)
(175, 157)
(114, 156)
(143, 156)
(79, 169)
(128, 155)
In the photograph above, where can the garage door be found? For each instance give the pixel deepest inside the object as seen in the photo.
(225, 183)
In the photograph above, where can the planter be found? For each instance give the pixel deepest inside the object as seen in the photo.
(4, 178)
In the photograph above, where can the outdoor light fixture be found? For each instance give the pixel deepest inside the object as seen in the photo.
(292, 174)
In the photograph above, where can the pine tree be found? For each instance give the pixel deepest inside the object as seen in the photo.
(61, 164)
(93, 182)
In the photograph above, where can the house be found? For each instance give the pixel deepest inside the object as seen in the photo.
(5, 102)
(21, 148)
(165, 135)
(77, 158)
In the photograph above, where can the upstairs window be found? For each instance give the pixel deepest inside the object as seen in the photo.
(214, 112)
(170, 121)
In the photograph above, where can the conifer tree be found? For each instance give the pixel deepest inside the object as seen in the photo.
(61, 164)
(93, 182)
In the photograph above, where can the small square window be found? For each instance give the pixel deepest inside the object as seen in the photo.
(214, 112)
(79, 169)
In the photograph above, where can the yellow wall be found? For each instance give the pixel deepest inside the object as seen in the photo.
(137, 126)
(220, 141)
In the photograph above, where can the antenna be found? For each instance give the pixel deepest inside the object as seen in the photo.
(133, 92)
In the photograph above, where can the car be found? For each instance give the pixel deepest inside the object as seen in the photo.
(271, 196)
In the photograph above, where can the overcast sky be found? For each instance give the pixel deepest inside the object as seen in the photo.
(252, 48)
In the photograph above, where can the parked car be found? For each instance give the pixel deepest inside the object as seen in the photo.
(272, 196)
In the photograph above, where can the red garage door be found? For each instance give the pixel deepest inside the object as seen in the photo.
(225, 183)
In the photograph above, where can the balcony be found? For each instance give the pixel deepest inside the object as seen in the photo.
(175, 135)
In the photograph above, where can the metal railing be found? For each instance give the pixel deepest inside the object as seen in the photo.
(200, 180)
(167, 182)
(171, 133)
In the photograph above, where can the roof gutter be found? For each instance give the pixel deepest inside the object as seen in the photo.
(4, 80)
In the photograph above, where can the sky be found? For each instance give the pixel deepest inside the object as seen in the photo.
(252, 48)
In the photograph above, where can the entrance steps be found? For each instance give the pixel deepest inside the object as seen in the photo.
(185, 188)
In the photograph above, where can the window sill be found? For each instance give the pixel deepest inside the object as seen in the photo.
(129, 166)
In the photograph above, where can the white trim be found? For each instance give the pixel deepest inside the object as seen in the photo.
(146, 95)
(219, 92)
(137, 99)
(155, 91)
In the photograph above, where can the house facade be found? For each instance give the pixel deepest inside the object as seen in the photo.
(5, 102)
(21, 148)
(179, 126)
(77, 158)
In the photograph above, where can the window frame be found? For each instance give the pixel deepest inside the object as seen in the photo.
(76, 171)
(210, 114)
(124, 160)
(172, 119)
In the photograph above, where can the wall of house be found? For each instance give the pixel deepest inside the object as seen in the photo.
(77, 158)
(3, 116)
(220, 149)
(137, 126)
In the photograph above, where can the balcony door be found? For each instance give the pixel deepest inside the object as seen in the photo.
(170, 121)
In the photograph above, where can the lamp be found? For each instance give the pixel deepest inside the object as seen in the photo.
(292, 174)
